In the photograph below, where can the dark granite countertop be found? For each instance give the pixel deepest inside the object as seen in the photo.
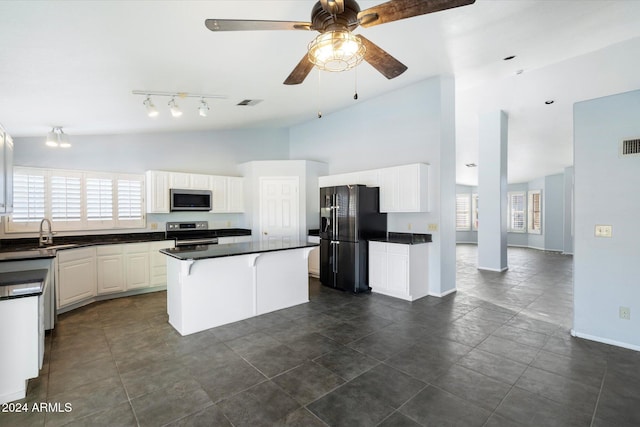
(20, 284)
(404, 238)
(25, 249)
(196, 252)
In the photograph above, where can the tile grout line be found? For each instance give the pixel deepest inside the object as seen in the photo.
(595, 409)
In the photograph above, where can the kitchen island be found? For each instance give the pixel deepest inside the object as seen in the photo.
(212, 285)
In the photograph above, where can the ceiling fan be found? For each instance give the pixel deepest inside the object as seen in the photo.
(337, 48)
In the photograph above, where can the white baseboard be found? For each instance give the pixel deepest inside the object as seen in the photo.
(497, 270)
(443, 294)
(605, 340)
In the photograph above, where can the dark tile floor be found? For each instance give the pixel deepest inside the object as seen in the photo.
(496, 353)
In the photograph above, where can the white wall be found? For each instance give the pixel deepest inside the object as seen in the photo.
(553, 206)
(409, 125)
(211, 152)
(567, 231)
(606, 192)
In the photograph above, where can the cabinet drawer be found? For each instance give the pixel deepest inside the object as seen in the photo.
(397, 248)
(68, 255)
(134, 248)
(109, 250)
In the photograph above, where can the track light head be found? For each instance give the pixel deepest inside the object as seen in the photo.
(152, 111)
(203, 110)
(52, 139)
(57, 138)
(175, 109)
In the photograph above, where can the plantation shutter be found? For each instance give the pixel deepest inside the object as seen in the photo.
(516, 212)
(130, 200)
(99, 199)
(66, 198)
(28, 197)
(463, 210)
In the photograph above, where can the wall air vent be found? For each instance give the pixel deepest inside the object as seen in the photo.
(249, 102)
(630, 147)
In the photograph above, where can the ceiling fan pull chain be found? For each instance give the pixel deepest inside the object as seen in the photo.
(319, 97)
(355, 93)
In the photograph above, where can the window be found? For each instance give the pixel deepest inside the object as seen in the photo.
(463, 212)
(534, 225)
(517, 223)
(474, 212)
(76, 200)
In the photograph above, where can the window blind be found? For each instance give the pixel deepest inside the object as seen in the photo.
(130, 199)
(66, 198)
(463, 212)
(99, 199)
(535, 212)
(517, 212)
(28, 197)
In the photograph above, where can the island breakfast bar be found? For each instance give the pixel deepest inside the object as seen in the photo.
(212, 285)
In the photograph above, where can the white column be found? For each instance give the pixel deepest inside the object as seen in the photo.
(492, 192)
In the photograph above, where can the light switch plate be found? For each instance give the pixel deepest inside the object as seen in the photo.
(603, 230)
(433, 227)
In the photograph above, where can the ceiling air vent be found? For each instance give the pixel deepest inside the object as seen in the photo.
(630, 147)
(249, 102)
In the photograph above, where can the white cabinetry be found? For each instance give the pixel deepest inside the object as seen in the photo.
(227, 191)
(6, 173)
(158, 262)
(110, 269)
(399, 270)
(157, 183)
(76, 275)
(402, 188)
(314, 257)
(137, 265)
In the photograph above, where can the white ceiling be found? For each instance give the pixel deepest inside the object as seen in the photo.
(75, 63)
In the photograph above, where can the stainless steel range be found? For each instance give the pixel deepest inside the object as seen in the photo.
(191, 233)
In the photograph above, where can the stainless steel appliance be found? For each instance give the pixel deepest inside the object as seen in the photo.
(191, 233)
(190, 200)
(349, 215)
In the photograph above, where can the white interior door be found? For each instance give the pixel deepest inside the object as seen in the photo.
(279, 199)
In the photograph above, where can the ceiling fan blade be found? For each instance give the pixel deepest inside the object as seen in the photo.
(253, 25)
(395, 10)
(300, 72)
(389, 66)
(333, 7)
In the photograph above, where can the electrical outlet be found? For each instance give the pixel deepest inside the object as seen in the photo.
(228, 223)
(154, 226)
(603, 230)
(625, 313)
(409, 226)
(433, 227)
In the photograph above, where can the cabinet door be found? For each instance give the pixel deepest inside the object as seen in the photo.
(377, 266)
(199, 182)
(158, 262)
(76, 276)
(110, 269)
(137, 265)
(235, 194)
(218, 187)
(408, 188)
(157, 184)
(179, 180)
(137, 270)
(389, 197)
(398, 272)
(3, 196)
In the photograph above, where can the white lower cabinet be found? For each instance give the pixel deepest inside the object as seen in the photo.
(136, 257)
(110, 269)
(76, 275)
(399, 270)
(314, 257)
(84, 273)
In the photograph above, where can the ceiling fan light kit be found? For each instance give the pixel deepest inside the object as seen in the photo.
(336, 51)
(337, 48)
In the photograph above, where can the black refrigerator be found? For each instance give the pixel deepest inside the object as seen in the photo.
(349, 215)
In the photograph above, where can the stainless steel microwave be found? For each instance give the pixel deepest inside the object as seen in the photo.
(190, 200)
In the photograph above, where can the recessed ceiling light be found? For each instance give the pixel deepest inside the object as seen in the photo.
(508, 58)
(549, 102)
(471, 165)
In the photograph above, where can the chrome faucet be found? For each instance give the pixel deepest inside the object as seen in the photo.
(48, 238)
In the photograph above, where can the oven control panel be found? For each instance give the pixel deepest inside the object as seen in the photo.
(186, 226)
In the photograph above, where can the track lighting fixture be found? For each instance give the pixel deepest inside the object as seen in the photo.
(57, 138)
(174, 108)
(152, 111)
(203, 110)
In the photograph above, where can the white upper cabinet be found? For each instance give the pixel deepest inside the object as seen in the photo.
(402, 188)
(157, 184)
(226, 191)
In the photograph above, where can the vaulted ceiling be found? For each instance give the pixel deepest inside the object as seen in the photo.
(75, 64)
